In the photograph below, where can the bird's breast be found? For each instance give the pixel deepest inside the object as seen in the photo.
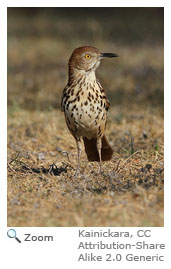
(85, 111)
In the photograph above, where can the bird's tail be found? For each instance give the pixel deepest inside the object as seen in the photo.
(92, 152)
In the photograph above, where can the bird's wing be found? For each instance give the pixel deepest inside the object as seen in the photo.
(104, 96)
(63, 97)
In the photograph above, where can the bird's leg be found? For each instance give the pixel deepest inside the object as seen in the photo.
(78, 141)
(99, 147)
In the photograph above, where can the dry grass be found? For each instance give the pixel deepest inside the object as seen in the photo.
(42, 189)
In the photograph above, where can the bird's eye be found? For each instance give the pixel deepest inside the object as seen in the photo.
(87, 56)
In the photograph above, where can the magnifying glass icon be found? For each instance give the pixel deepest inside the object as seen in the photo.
(12, 234)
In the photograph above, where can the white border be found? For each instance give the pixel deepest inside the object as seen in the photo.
(3, 116)
(85, 3)
(63, 251)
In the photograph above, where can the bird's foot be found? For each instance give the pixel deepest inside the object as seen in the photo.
(77, 173)
(100, 169)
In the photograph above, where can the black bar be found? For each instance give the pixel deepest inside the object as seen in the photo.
(18, 239)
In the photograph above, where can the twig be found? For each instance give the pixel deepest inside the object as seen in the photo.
(117, 165)
(14, 158)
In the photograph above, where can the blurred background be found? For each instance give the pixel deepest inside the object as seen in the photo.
(41, 40)
(42, 189)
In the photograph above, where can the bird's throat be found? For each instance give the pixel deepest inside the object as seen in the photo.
(77, 75)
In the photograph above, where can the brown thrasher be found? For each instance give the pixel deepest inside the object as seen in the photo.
(85, 104)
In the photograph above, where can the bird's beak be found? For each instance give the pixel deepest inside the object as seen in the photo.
(108, 55)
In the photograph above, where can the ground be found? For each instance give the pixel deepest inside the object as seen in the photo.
(42, 156)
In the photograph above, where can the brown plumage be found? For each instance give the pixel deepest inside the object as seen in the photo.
(92, 152)
(85, 104)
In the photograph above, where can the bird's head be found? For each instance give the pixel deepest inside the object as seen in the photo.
(87, 58)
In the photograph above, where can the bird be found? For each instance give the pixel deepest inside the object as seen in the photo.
(85, 105)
